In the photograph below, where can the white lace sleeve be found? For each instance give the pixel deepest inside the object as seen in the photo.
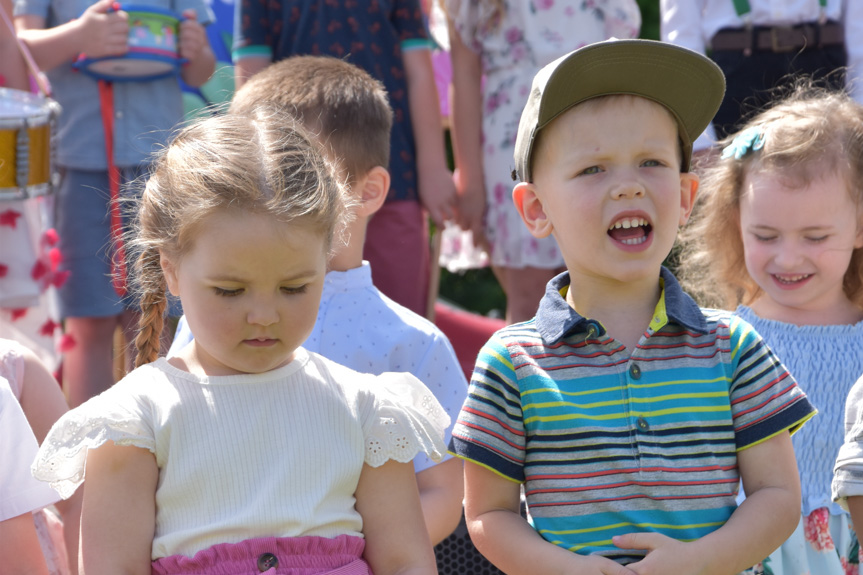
(63, 455)
(407, 420)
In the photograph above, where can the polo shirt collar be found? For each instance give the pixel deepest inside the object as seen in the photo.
(556, 320)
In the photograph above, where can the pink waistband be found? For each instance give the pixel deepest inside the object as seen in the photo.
(341, 555)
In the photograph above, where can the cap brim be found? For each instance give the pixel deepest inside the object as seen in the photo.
(687, 83)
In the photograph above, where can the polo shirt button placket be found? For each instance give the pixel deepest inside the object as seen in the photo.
(635, 373)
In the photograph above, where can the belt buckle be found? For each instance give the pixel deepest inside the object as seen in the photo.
(780, 33)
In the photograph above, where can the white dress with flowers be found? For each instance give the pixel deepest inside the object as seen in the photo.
(513, 48)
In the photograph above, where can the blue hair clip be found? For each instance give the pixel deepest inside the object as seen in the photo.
(749, 140)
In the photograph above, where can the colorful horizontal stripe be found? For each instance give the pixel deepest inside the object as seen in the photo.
(606, 443)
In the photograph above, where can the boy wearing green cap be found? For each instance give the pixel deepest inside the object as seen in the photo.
(627, 413)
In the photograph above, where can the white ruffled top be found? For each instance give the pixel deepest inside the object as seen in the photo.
(276, 454)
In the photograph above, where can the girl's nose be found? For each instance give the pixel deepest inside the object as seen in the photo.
(263, 313)
(787, 255)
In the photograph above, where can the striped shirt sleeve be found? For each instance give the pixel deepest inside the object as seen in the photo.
(765, 398)
(490, 428)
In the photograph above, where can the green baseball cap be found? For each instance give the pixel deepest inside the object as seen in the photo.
(689, 84)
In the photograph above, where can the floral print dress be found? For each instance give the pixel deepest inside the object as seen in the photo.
(514, 44)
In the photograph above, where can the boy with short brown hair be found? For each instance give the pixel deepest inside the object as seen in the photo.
(627, 413)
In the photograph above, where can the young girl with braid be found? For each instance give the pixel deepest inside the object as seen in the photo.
(245, 452)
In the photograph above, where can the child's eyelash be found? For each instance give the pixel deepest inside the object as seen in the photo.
(234, 292)
(764, 238)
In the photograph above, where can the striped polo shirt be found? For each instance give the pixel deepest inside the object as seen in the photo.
(608, 443)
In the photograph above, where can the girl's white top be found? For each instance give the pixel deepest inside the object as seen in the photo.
(276, 454)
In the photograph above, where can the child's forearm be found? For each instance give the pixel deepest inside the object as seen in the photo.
(513, 546)
(13, 70)
(441, 490)
(759, 526)
(500, 533)
(70, 512)
(52, 47)
(768, 515)
(19, 547)
(99, 31)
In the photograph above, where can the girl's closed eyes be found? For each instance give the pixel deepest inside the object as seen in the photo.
(179, 443)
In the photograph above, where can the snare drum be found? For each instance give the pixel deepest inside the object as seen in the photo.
(27, 136)
(153, 48)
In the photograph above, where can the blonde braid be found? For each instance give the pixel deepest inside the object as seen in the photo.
(153, 304)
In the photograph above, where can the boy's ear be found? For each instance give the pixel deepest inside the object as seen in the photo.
(688, 190)
(531, 210)
(169, 270)
(374, 187)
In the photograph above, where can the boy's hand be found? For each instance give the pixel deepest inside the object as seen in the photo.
(597, 565)
(193, 37)
(664, 554)
(104, 30)
(437, 195)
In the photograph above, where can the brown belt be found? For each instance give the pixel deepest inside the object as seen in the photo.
(779, 38)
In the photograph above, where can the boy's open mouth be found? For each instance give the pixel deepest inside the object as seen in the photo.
(630, 231)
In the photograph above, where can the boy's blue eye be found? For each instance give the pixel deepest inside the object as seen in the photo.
(590, 171)
(227, 292)
(651, 163)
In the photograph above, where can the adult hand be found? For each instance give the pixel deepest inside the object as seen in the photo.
(471, 209)
(437, 195)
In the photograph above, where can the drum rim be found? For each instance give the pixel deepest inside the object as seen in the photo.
(151, 9)
(26, 192)
(48, 108)
(175, 64)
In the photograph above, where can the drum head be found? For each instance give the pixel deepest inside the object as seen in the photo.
(131, 68)
(15, 105)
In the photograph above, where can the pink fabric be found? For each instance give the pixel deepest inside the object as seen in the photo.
(341, 555)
